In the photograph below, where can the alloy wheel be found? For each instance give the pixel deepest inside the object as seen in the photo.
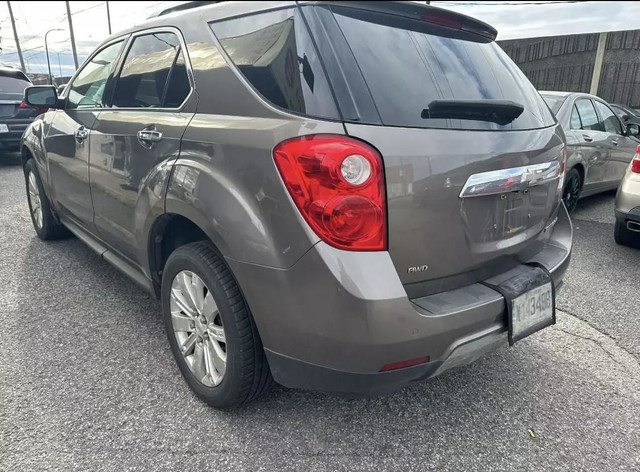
(198, 328)
(34, 200)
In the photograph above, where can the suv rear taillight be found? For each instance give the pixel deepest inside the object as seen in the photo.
(41, 110)
(635, 163)
(337, 183)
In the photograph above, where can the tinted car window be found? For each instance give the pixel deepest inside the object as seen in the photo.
(87, 89)
(408, 64)
(147, 69)
(575, 118)
(619, 111)
(13, 85)
(608, 119)
(276, 55)
(588, 115)
(554, 102)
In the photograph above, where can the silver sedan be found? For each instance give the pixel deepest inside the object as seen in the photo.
(599, 145)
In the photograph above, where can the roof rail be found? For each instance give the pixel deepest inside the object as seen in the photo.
(182, 7)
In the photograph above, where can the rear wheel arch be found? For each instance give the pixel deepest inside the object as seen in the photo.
(580, 168)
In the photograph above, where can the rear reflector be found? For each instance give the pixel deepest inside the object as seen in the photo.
(635, 164)
(403, 364)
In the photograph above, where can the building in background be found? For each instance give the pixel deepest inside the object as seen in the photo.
(605, 64)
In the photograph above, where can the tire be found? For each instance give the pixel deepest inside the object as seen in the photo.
(572, 189)
(42, 217)
(624, 237)
(246, 374)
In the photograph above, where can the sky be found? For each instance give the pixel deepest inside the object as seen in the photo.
(512, 19)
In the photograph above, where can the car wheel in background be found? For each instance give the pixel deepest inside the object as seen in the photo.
(44, 222)
(572, 189)
(212, 334)
(624, 236)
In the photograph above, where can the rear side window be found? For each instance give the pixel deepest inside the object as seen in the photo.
(274, 52)
(407, 65)
(13, 84)
(153, 75)
(608, 119)
(588, 115)
(554, 102)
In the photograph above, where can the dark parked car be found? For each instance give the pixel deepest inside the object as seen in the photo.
(599, 145)
(348, 198)
(626, 114)
(15, 114)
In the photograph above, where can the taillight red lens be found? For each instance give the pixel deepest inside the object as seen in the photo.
(337, 183)
(635, 164)
(24, 104)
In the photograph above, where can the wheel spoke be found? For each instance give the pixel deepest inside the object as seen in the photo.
(198, 292)
(182, 323)
(217, 357)
(198, 365)
(216, 332)
(188, 344)
(209, 308)
(188, 290)
(177, 296)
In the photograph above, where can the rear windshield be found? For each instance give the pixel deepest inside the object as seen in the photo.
(406, 68)
(554, 101)
(13, 85)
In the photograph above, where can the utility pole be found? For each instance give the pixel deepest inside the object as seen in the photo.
(73, 39)
(108, 16)
(15, 36)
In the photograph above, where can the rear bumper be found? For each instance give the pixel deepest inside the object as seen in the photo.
(11, 139)
(335, 318)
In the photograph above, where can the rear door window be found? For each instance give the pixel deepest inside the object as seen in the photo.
(588, 115)
(608, 119)
(276, 55)
(153, 75)
(407, 64)
(575, 118)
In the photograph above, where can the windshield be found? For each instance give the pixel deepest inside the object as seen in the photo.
(406, 69)
(13, 85)
(554, 101)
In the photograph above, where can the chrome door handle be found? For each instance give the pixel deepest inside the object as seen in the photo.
(587, 138)
(614, 142)
(149, 136)
(81, 134)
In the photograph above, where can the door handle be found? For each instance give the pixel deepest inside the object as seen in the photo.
(587, 138)
(149, 136)
(614, 142)
(81, 134)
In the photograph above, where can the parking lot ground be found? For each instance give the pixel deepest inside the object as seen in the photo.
(87, 381)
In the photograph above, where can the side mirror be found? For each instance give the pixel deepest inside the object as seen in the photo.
(44, 96)
(633, 129)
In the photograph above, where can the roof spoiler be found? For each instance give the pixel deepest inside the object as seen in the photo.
(425, 13)
(182, 7)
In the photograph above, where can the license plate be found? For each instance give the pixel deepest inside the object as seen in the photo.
(4, 128)
(531, 311)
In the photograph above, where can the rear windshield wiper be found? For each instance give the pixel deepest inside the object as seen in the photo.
(497, 111)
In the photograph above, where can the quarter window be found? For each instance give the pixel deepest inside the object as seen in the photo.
(588, 115)
(87, 89)
(608, 119)
(154, 74)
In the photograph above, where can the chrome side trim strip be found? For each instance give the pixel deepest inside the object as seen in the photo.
(510, 180)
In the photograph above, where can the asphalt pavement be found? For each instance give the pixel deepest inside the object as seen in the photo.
(87, 381)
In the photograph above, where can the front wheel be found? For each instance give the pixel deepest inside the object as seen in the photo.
(42, 217)
(572, 189)
(212, 334)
